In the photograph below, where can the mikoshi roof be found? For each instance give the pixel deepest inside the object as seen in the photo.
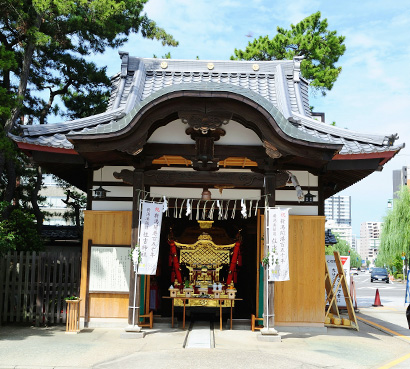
(276, 86)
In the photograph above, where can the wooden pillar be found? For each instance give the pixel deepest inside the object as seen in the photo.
(137, 186)
(321, 197)
(90, 181)
(270, 187)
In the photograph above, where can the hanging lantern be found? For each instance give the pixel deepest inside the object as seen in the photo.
(309, 197)
(100, 192)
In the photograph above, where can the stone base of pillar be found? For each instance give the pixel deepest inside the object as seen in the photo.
(133, 328)
(133, 331)
(132, 335)
(269, 335)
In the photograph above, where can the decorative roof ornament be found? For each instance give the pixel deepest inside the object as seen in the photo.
(210, 66)
(255, 67)
(390, 139)
(164, 65)
(297, 60)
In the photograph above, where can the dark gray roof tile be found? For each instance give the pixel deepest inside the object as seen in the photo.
(271, 87)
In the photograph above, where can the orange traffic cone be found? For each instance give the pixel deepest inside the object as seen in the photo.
(377, 299)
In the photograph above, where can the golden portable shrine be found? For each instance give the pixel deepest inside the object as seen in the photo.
(206, 267)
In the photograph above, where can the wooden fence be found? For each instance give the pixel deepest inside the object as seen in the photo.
(33, 286)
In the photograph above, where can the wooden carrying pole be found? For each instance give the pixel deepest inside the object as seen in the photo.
(340, 278)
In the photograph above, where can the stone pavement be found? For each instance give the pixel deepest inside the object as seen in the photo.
(382, 342)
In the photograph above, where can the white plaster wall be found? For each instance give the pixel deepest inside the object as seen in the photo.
(291, 195)
(112, 205)
(236, 134)
(303, 179)
(302, 210)
(117, 191)
(107, 174)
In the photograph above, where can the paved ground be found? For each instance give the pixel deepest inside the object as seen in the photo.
(382, 342)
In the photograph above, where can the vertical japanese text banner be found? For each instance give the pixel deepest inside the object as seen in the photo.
(277, 230)
(149, 236)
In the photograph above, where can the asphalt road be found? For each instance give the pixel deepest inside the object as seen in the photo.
(391, 294)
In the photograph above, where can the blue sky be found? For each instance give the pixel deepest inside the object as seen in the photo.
(371, 95)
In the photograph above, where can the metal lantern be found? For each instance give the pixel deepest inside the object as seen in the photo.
(100, 193)
(309, 197)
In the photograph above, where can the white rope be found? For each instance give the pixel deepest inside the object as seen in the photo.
(211, 211)
(197, 210)
(204, 211)
(233, 210)
(176, 209)
(180, 211)
(250, 209)
(226, 211)
(190, 210)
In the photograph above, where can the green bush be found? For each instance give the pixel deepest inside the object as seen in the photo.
(399, 276)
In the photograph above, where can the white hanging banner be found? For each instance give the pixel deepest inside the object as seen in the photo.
(149, 236)
(277, 238)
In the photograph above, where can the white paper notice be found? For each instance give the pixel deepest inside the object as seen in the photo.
(277, 231)
(149, 236)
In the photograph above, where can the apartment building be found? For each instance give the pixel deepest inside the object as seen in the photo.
(339, 217)
(370, 240)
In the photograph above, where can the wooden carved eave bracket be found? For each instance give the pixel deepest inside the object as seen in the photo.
(205, 128)
(204, 122)
(271, 150)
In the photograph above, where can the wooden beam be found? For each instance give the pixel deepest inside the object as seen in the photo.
(360, 164)
(203, 179)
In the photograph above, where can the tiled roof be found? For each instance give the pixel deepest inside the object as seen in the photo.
(275, 85)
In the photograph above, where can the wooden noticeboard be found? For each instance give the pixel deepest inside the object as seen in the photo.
(109, 268)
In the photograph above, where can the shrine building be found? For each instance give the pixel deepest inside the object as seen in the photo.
(212, 141)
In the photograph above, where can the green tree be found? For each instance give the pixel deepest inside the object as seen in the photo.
(311, 39)
(19, 232)
(344, 249)
(395, 235)
(45, 47)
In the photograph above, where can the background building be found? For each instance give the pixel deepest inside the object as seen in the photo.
(370, 240)
(338, 209)
(400, 178)
(339, 218)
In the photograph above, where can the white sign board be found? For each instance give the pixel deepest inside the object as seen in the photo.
(277, 238)
(110, 269)
(149, 236)
(331, 264)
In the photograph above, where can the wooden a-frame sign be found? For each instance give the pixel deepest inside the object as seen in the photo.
(331, 295)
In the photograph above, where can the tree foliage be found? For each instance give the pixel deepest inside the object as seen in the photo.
(344, 249)
(46, 48)
(395, 235)
(311, 39)
(18, 232)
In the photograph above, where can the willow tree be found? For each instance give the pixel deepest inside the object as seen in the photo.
(311, 39)
(395, 235)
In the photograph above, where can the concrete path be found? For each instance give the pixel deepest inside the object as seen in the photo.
(382, 342)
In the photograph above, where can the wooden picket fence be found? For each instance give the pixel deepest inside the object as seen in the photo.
(33, 286)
